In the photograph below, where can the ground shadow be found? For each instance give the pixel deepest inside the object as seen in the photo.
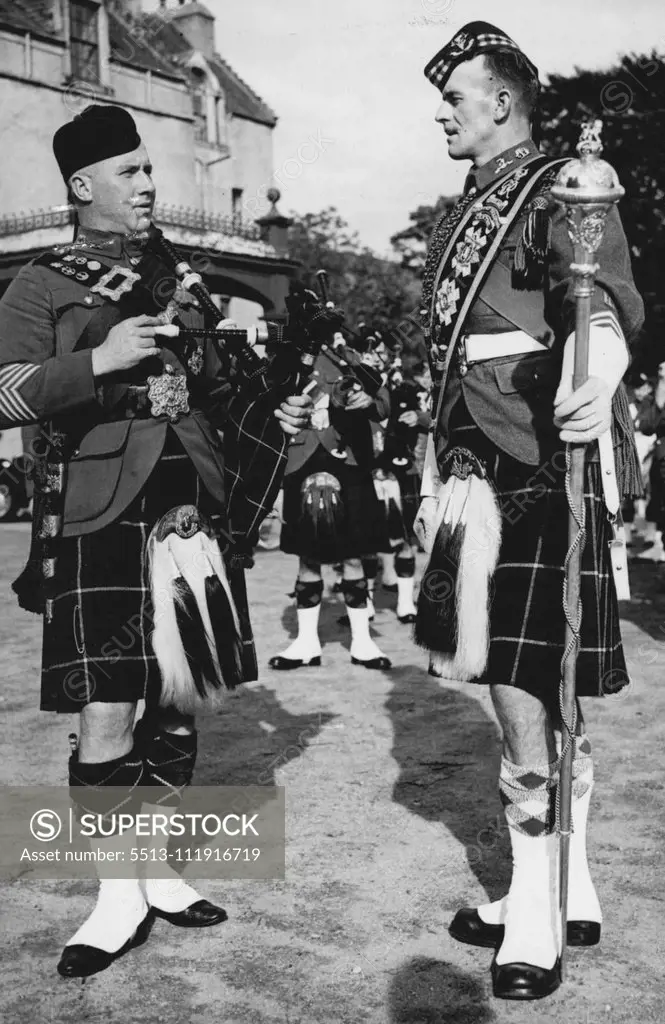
(427, 991)
(646, 608)
(448, 752)
(251, 738)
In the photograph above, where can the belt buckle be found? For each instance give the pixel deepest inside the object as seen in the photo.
(168, 394)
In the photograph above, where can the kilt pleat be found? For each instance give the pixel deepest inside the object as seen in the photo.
(526, 617)
(97, 645)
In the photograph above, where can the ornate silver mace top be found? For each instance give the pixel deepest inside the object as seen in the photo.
(588, 179)
(588, 186)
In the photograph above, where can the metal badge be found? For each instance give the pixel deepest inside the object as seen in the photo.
(127, 282)
(168, 394)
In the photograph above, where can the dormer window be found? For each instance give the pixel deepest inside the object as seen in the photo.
(199, 105)
(84, 40)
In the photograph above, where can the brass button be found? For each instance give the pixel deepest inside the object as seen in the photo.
(88, 300)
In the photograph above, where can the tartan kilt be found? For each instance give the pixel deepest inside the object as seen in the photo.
(364, 531)
(526, 619)
(97, 647)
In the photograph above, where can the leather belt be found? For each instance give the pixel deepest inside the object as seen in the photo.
(476, 348)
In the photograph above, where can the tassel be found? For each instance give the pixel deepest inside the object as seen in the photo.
(436, 617)
(191, 632)
(323, 514)
(532, 248)
(467, 548)
(629, 473)
(227, 642)
(196, 636)
(389, 494)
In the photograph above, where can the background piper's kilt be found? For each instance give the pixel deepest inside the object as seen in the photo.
(363, 530)
(409, 481)
(97, 646)
(527, 622)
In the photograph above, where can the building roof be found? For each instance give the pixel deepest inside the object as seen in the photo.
(34, 16)
(241, 100)
(151, 42)
(134, 44)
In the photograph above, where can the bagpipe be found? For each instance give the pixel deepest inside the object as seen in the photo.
(356, 375)
(290, 350)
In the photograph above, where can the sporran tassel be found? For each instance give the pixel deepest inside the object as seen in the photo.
(323, 513)
(196, 636)
(455, 594)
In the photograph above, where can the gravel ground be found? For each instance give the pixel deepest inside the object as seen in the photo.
(393, 821)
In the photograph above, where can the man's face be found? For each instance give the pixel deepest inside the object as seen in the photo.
(467, 111)
(122, 192)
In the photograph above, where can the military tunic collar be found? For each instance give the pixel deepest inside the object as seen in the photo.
(509, 160)
(110, 244)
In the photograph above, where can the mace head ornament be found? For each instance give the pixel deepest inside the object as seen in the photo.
(587, 179)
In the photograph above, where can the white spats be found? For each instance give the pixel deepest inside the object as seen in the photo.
(307, 644)
(362, 645)
(120, 906)
(405, 602)
(119, 910)
(170, 893)
(532, 921)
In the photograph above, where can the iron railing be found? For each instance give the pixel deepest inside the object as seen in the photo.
(171, 216)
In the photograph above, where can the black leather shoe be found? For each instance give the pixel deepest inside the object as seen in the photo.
(284, 664)
(407, 618)
(525, 981)
(201, 914)
(468, 926)
(80, 961)
(381, 662)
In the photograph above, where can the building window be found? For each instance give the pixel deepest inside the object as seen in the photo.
(84, 40)
(236, 204)
(199, 100)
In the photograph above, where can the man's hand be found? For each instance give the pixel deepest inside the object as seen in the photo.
(585, 414)
(423, 525)
(410, 418)
(126, 345)
(358, 400)
(294, 413)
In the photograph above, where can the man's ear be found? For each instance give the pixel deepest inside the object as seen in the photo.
(80, 185)
(503, 104)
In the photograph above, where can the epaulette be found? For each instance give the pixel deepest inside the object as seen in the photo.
(532, 249)
(76, 267)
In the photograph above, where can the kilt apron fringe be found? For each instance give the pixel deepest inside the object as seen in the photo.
(98, 644)
(526, 620)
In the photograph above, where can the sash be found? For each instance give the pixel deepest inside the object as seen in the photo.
(469, 251)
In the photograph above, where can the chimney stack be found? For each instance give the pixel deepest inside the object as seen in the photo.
(197, 25)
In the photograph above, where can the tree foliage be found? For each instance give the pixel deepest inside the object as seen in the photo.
(411, 243)
(630, 100)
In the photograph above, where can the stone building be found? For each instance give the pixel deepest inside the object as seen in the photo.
(209, 136)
